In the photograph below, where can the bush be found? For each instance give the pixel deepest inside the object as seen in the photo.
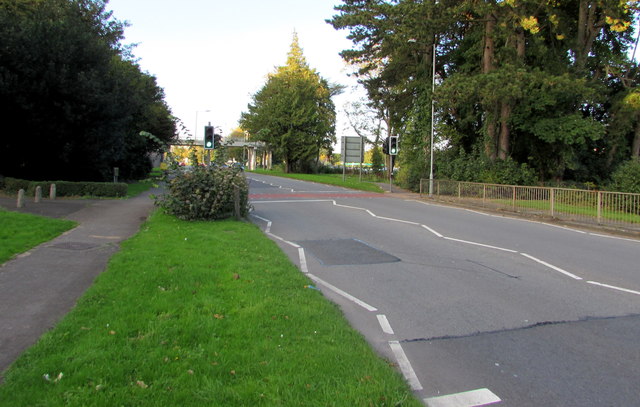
(627, 177)
(477, 168)
(205, 193)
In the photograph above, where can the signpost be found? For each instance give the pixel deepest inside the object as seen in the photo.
(352, 151)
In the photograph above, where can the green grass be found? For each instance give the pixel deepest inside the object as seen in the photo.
(136, 188)
(202, 314)
(352, 181)
(587, 211)
(20, 232)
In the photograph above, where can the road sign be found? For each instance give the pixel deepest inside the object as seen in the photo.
(352, 150)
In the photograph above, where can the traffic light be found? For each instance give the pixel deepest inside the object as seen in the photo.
(209, 140)
(385, 146)
(393, 145)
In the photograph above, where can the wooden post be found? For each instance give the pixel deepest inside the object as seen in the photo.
(38, 196)
(52, 192)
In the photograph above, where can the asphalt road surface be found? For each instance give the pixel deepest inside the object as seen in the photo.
(474, 309)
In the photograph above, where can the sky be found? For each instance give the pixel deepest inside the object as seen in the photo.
(211, 56)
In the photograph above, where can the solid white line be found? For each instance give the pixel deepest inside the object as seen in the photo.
(398, 220)
(481, 244)
(473, 398)
(347, 206)
(342, 293)
(551, 266)
(613, 287)
(615, 237)
(283, 240)
(384, 324)
(269, 223)
(293, 201)
(405, 366)
(432, 230)
(303, 260)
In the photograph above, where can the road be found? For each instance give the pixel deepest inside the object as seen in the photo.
(475, 309)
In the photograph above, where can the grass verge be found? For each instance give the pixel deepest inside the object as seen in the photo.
(352, 181)
(202, 314)
(20, 232)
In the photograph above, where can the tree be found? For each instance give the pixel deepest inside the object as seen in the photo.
(293, 113)
(74, 104)
(522, 80)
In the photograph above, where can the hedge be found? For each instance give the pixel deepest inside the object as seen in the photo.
(67, 188)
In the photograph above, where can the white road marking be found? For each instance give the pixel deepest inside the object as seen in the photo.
(384, 324)
(303, 260)
(432, 230)
(405, 366)
(551, 266)
(343, 293)
(473, 398)
(284, 240)
(268, 228)
(613, 287)
(481, 244)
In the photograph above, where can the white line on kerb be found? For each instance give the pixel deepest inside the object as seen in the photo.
(342, 293)
(473, 398)
(405, 366)
(551, 266)
(303, 260)
(613, 287)
(384, 324)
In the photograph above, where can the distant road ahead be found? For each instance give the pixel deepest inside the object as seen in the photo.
(474, 309)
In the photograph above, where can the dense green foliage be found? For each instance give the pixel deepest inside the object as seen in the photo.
(202, 314)
(205, 193)
(20, 232)
(627, 177)
(546, 84)
(75, 104)
(293, 113)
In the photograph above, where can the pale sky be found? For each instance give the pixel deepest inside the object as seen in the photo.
(213, 55)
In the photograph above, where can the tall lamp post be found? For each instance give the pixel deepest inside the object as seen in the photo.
(433, 119)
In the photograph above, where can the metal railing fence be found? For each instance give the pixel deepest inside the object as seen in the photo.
(591, 207)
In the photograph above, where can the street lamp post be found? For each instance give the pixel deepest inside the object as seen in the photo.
(433, 109)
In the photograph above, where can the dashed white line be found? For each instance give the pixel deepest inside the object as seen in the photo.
(384, 324)
(473, 398)
(613, 287)
(405, 366)
(480, 244)
(551, 266)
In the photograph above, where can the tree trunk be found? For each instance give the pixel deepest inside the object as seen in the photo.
(635, 146)
(488, 56)
(505, 134)
(587, 32)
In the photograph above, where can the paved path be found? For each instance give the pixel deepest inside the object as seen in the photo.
(39, 287)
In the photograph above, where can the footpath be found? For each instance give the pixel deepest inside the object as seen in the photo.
(41, 286)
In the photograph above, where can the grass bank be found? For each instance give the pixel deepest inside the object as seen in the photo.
(20, 232)
(202, 314)
(352, 181)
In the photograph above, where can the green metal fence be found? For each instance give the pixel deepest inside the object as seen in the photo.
(591, 207)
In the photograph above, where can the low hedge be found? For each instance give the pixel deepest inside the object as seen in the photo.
(67, 188)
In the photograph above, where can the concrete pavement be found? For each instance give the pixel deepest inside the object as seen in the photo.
(39, 287)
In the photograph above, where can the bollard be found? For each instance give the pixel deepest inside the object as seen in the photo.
(20, 203)
(52, 192)
(38, 196)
